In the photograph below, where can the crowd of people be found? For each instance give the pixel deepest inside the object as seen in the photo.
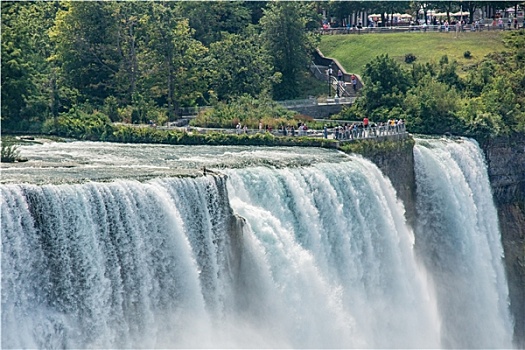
(346, 131)
(455, 23)
(365, 129)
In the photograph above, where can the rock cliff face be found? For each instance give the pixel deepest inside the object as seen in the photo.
(506, 167)
(505, 158)
(398, 164)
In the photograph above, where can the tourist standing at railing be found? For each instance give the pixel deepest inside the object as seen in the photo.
(353, 80)
(365, 126)
(400, 126)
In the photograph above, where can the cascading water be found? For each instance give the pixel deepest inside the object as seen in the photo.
(337, 254)
(458, 238)
(303, 255)
(109, 265)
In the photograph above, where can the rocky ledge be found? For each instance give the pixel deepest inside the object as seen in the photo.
(506, 168)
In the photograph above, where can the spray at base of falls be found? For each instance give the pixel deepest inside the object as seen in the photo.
(317, 256)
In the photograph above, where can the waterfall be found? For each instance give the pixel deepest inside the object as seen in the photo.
(459, 240)
(118, 265)
(337, 256)
(301, 256)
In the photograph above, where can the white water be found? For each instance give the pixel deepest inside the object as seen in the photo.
(460, 241)
(338, 256)
(323, 259)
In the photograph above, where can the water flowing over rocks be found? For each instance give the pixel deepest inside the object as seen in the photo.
(291, 249)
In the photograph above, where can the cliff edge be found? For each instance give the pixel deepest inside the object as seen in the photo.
(505, 158)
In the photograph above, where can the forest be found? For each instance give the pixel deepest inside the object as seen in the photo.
(137, 61)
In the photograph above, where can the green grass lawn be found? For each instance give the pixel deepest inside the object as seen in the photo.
(355, 51)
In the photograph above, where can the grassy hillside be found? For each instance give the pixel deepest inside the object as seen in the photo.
(355, 51)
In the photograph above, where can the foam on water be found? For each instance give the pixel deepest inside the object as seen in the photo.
(313, 254)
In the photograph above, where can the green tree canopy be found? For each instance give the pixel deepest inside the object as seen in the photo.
(240, 65)
(386, 83)
(86, 48)
(26, 73)
(431, 108)
(284, 30)
(212, 19)
(173, 64)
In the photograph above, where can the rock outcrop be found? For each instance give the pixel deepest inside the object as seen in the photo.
(397, 162)
(506, 167)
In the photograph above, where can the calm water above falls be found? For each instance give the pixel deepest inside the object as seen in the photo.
(294, 247)
(75, 162)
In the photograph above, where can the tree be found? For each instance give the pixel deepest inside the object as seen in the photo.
(471, 7)
(431, 108)
(284, 30)
(446, 6)
(16, 72)
(27, 95)
(447, 73)
(240, 65)
(172, 62)
(500, 99)
(478, 77)
(342, 9)
(212, 19)
(386, 83)
(129, 16)
(256, 9)
(85, 35)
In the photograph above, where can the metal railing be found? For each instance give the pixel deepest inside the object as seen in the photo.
(338, 133)
(414, 28)
(298, 103)
(375, 131)
(320, 75)
(339, 88)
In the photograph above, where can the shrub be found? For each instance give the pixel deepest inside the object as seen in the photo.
(246, 110)
(111, 108)
(467, 54)
(410, 57)
(79, 124)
